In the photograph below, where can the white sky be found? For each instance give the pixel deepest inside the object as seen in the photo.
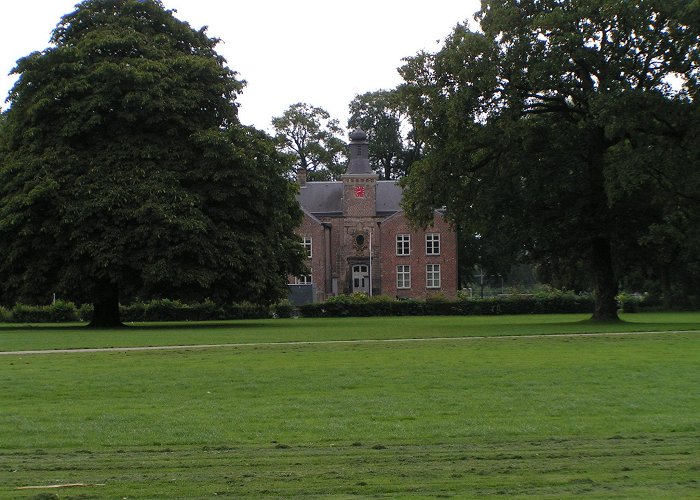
(320, 52)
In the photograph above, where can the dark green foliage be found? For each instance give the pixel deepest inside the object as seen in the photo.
(125, 173)
(246, 310)
(355, 305)
(284, 309)
(359, 304)
(554, 134)
(85, 312)
(174, 310)
(168, 310)
(153, 311)
(58, 312)
(310, 137)
(629, 303)
(348, 305)
(382, 114)
(5, 315)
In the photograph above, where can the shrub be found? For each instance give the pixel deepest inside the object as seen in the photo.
(85, 312)
(5, 315)
(284, 309)
(352, 298)
(22, 313)
(133, 312)
(165, 310)
(58, 312)
(174, 310)
(61, 311)
(436, 298)
(246, 310)
(343, 305)
(628, 302)
(204, 311)
(356, 304)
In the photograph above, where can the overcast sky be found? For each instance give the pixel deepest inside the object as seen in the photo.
(321, 52)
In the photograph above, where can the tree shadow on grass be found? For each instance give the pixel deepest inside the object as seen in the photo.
(625, 325)
(185, 325)
(193, 325)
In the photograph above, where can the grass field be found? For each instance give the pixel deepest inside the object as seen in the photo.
(557, 416)
(22, 337)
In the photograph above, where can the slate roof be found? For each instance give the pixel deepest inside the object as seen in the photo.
(321, 198)
(325, 198)
(389, 195)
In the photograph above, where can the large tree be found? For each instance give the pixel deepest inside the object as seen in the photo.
(549, 124)
(126, 174)
(312, 138)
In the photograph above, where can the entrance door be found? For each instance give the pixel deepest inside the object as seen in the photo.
(360, 279)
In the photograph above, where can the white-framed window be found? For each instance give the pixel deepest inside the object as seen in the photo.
(432, 276)
(403, 276)
(307, 241)
(432, 244)
(304, 279)
(403, 244)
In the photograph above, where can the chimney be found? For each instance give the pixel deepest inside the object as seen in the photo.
(301, 177)
(358, 153)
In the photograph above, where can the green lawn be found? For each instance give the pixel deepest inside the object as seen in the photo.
(602, 416)
(29, 337)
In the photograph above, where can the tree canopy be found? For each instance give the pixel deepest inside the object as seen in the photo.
(382, 114)
(126, 174)
(566, 129)
(311, 137)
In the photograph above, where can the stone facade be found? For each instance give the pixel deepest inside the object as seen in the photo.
(359, 240)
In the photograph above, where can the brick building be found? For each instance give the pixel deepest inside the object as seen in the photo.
(357, 238)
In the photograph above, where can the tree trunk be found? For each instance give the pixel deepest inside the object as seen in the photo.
(106, 314)
(605, 285)
(604, 282)
(665, 280)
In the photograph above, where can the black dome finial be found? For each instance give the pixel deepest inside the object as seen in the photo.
(358, 135)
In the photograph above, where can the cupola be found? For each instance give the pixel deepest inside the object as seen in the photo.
(358, 153)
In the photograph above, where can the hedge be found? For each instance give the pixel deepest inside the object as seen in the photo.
(5, 315)
(58, 312)
(156, 310)
(339, 306)
(382, 306)
(174, 310)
